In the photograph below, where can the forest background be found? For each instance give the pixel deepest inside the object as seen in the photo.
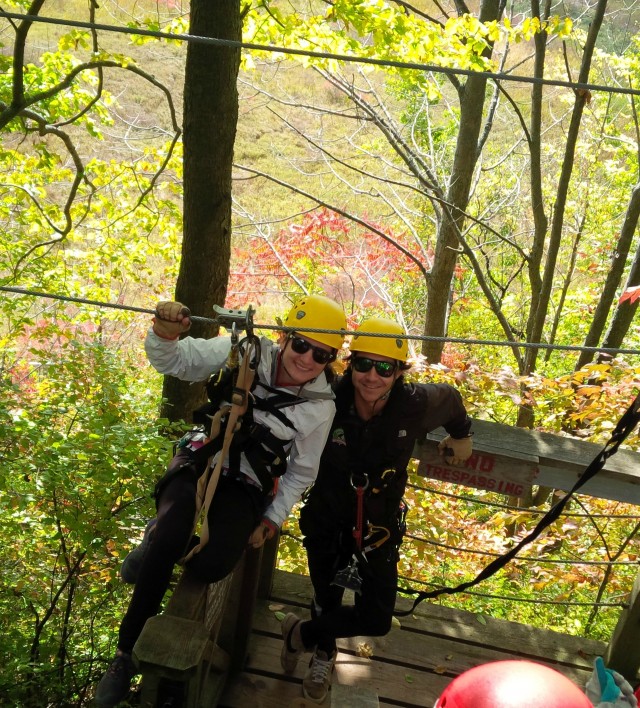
(464, 205)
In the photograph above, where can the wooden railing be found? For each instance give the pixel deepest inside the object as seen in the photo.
(204, 632)
(509, 460)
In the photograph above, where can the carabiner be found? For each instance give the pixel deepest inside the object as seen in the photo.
(360, 486)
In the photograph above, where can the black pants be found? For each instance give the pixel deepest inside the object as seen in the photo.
(372, 613)
(235, 511)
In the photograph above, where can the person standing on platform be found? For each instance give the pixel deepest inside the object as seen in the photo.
(353, 518)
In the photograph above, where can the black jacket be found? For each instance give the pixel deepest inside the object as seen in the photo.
(380, 449)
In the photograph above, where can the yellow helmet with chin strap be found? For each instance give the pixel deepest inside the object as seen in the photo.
(393, 347)
(318, 312)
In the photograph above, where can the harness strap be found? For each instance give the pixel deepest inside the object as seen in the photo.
(273, 404)
(239, 403)
(265, 453)
(358, 528)
(625, 426)
(280, 399)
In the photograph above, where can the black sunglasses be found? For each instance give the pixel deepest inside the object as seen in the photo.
(320, 356)
(362, 364)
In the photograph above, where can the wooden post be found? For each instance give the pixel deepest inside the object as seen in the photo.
(623, 652)
(245, 598)
(178, 650)
(268, 566)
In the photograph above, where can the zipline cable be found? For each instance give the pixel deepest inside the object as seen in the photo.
(196, 39)
(413, 337)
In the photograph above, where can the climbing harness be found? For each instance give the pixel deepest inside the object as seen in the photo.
(627, 423)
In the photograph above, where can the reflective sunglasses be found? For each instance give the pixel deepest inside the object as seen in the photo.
(320, 356)
(362, 364)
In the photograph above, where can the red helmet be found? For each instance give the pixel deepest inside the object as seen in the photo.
(512, 684)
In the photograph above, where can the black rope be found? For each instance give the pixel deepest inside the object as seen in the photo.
(310, 330)
(624, 427)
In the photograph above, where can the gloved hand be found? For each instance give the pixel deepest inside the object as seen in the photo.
(266, 529)
(609, 689)
(460, 447)
(171, 320)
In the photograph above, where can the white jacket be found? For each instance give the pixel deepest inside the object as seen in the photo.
(191, 359)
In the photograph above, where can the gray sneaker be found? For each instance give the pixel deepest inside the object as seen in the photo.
(292, 646)
(130, 568)
(115, 684)
(317, 680)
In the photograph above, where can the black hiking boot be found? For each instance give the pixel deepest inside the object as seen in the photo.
(114, 685)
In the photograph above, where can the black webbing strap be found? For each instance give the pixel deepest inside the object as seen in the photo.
(279, 399)
(625, 426)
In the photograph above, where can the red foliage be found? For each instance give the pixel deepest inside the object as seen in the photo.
(324, 249)
(631, 294)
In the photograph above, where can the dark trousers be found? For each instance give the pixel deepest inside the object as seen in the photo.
(372, 613)
(235, 511)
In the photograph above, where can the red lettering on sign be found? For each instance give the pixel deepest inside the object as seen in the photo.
(472, 462)
(486, 463)
(476, 463)
(513, 489)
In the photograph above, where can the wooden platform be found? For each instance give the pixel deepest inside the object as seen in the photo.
(410, 666)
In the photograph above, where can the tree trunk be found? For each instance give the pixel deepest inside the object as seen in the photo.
(614, 276)
(540, 218)
(540, 308)
(472, 99)
(210, 120)
(625, 312)
(541, 288)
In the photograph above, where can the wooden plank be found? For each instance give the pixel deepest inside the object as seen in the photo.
(267, 568)
(549, 448)
(260, 691)
(353, 697)
(490, 633)
(506, 457)
(216, 598)
(242, 604)
(416, 647)
(447, 622)
(623, 652)
(180, 644)
(178, 659)
(483, 470)
(605, 484)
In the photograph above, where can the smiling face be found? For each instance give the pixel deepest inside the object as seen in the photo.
(296, 367)
(370, 388)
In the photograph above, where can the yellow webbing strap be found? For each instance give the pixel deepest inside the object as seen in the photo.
(239, 402)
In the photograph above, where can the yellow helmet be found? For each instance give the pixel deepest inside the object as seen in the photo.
(318, 312)
(395, 348)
